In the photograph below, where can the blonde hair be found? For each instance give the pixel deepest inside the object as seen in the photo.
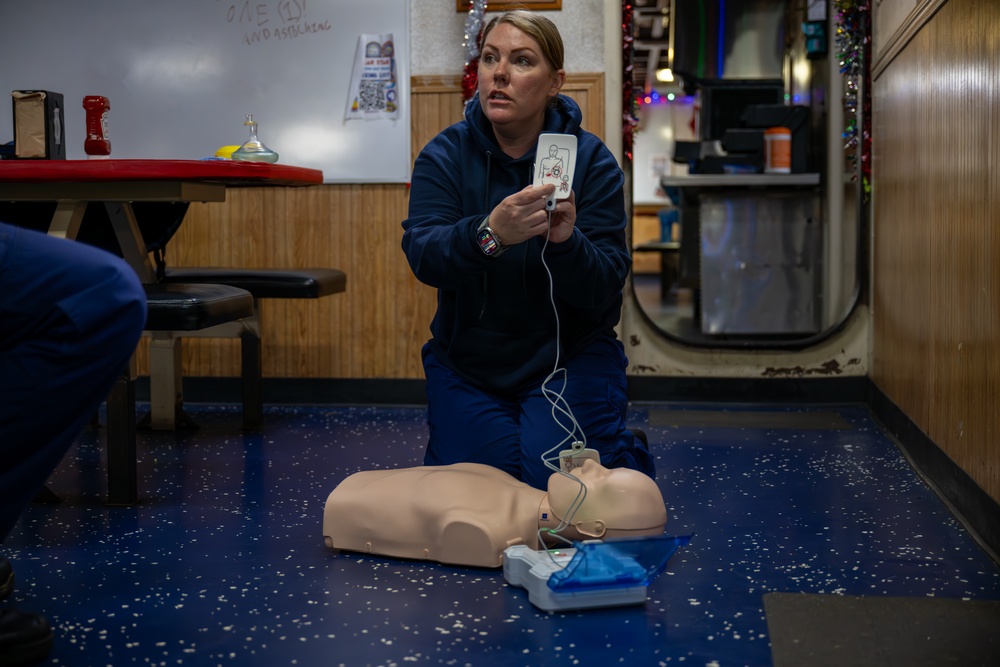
(539, 28)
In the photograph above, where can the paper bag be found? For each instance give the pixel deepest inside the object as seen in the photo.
(38, 125)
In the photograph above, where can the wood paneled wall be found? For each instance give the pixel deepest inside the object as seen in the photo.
(646, 227)
(376, 328)
(936, 247)
(373, 330)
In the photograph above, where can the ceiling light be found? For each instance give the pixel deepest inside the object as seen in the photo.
(664, 75)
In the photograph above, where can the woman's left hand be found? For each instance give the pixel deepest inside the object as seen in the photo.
(563, 219)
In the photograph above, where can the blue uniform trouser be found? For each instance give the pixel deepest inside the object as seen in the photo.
(468, 424)
(70, 318)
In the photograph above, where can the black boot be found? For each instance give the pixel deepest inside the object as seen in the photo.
(25, 638)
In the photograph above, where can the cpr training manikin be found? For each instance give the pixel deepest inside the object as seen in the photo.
(469, 513)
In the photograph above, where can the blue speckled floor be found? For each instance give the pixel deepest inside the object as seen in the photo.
(224, 564)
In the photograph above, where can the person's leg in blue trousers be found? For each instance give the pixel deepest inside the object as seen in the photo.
(469, 424)
(70, 318)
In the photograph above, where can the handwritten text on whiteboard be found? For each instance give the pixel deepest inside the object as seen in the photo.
(273, 21)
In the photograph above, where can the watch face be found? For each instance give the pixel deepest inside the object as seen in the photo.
(487, 242)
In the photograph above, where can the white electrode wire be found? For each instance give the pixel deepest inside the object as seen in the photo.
(545, 532)
(559, 405)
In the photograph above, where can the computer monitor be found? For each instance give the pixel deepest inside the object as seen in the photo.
(723, 102)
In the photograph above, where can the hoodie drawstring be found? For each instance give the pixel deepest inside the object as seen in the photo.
(486, 207)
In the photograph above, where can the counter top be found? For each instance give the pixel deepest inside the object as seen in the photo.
(738, 180)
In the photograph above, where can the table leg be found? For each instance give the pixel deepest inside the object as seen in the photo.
(67, 219)
(664, 280)
(165, 388)
(122, 458)
(130, 240)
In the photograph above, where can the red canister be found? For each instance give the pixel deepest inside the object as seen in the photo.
(97, 144)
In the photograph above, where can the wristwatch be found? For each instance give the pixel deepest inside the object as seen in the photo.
(489, 241)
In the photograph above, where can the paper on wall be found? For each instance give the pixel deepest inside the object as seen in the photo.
(374, 91)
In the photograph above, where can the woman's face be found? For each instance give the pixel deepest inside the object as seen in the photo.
(515, 80)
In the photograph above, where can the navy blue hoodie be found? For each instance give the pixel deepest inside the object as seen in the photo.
(494, 324)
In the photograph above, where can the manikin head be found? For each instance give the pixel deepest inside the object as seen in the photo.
(620, 502)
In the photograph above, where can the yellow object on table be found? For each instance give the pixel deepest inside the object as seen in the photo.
(226, 151)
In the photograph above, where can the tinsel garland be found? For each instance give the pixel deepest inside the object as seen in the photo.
(630, 120)
(854, 53)
(473, 28)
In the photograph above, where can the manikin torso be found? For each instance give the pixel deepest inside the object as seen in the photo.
(463, 514)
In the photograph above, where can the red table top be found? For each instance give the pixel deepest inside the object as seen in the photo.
(230, 172)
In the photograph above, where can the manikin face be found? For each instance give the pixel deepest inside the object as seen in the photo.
(515, 81)
(618, 499)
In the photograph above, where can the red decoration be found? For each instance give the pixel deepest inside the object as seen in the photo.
(630, 123)
(473, 33)
(470, 80)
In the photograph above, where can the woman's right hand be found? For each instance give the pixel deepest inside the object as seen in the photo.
(522, 215)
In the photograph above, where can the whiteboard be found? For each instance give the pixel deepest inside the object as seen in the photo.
(181, 75)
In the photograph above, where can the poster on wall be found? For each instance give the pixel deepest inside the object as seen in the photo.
(374, 91)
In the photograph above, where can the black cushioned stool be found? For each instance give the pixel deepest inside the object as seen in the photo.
(170, 308)
(310, 283)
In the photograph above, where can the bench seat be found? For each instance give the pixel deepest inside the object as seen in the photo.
(266, 283)
(173, 307)
(190, 307)
(302, 283)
